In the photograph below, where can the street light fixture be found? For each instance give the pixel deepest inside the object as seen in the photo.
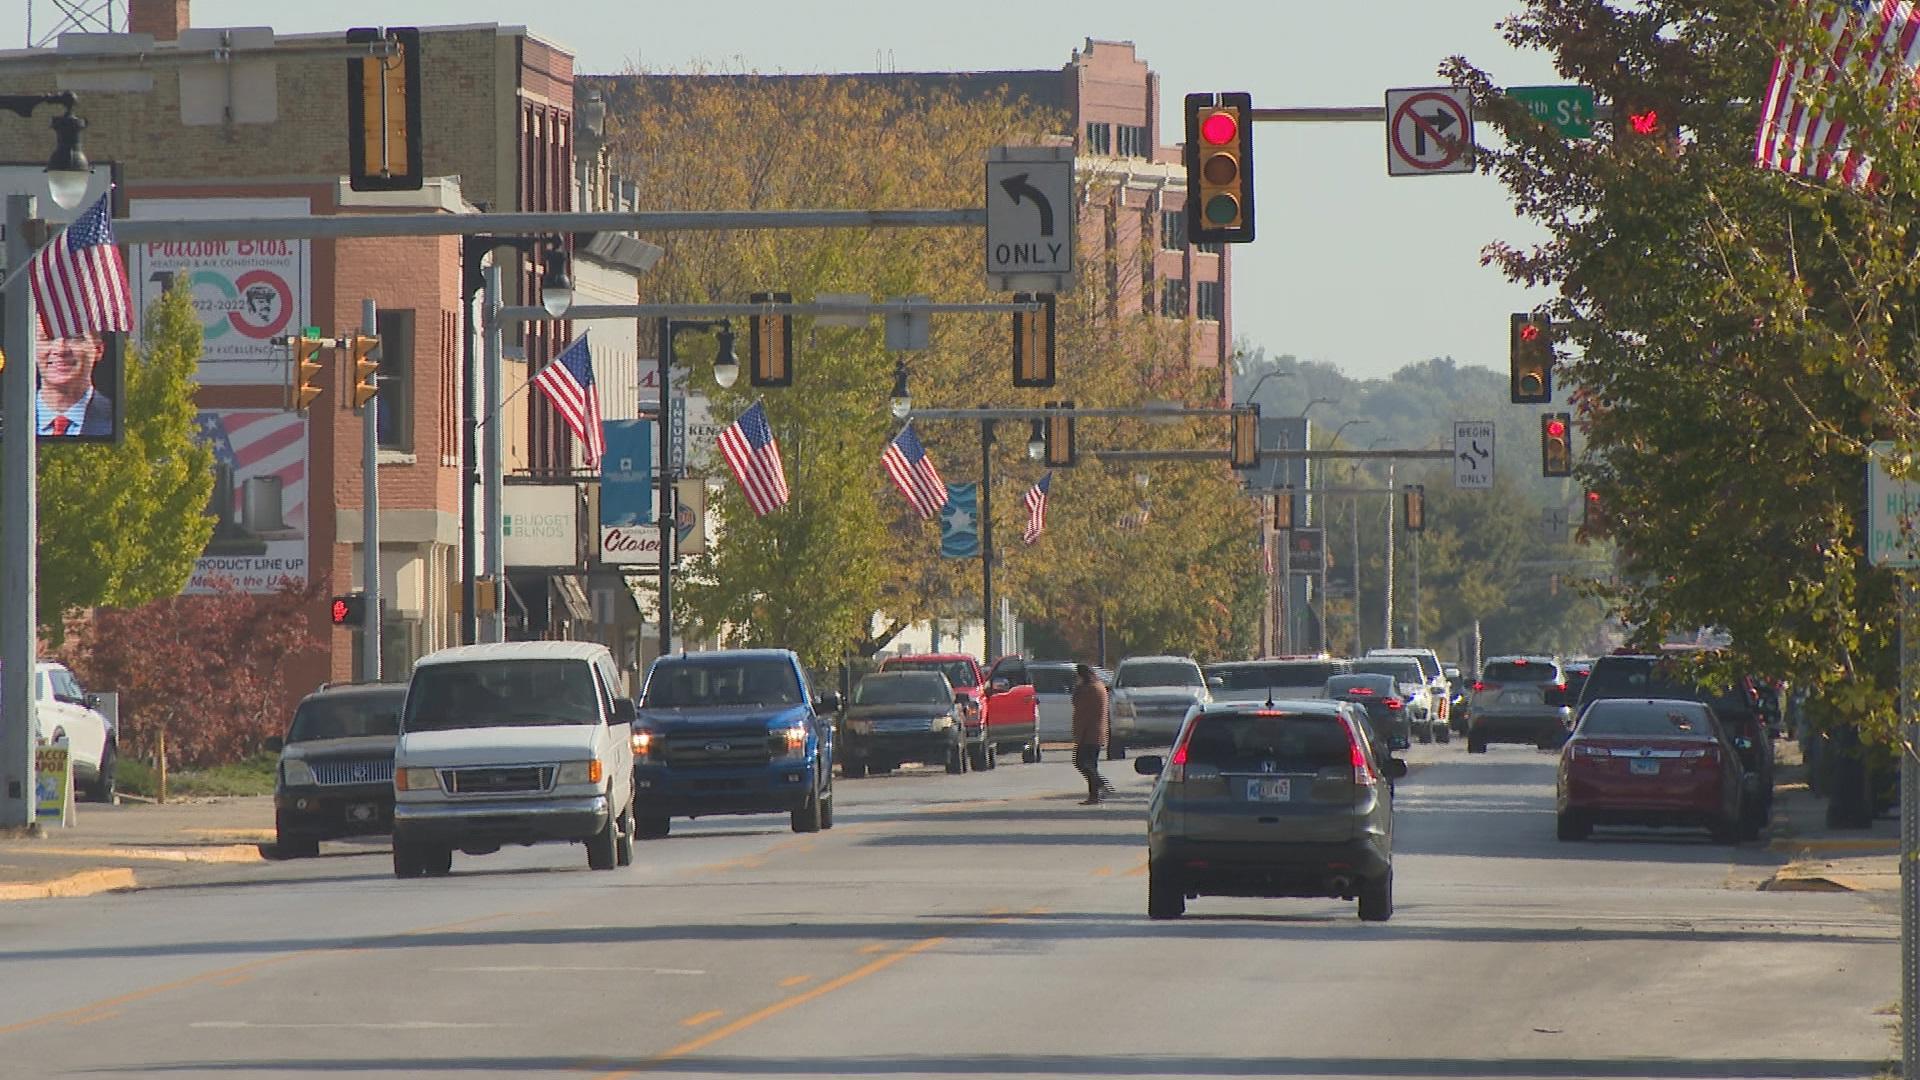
(1335, 441)
(556, 284)
(67, 170)
(726, 365)
(1275, 373)
(901, 403)
(1037, 441)
(1318, 401)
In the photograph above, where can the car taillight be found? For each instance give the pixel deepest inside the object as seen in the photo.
(1479, 686)
(1583, 750)
(1177, 765)
(1361, 691)
(1392, 703)
(1364, 773)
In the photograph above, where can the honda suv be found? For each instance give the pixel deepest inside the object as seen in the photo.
(1519, 699)
(1281, 800)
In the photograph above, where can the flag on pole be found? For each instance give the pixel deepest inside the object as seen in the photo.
(567, 380)
(1036, 501)
(1797, 132)
(906, 461)
(960, 522)
(754, 458)
(79, 281)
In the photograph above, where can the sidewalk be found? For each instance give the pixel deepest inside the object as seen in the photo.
(134, 845)
(1820, 859)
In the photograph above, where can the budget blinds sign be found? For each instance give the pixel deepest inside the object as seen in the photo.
(541, 529)
(259, 503)
(247, 292)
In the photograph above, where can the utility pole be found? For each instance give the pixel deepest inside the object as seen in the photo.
(986, 538)
(494, 628)
(1909, 838)
(1386, 640)
(370, 512)
(1286, 581)
(663, 468)
(1415, 637)
(18, 566)
(1359, 647)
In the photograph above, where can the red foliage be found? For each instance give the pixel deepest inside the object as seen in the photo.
(205, 669)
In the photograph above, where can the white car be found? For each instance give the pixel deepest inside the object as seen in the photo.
(1151, 698)
(1423, 711)
(1438, 685)
(63, 711)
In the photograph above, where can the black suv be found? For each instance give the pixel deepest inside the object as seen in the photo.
(1737, 707)
(336, 767)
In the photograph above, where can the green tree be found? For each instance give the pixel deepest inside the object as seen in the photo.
(121, 524)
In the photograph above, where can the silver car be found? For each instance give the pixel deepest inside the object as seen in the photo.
(1151, 698)
(1423, 712)
(1053, 698)
(1292, 679)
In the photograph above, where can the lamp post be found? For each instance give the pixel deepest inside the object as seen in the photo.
(726, 371)
(1358, 648)
(1275, 373)
(1317, 401)
(1386, 637)
(67, 176)
(556, 295)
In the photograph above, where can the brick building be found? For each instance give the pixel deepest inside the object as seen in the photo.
(269, 138)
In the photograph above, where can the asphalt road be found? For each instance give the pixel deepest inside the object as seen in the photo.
(969, 926)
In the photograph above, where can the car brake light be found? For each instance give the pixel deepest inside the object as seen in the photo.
(1364, 774)
(1392, 703)
(1177, 765)
(1520, 663)
(1361, 691)
(1479, 686)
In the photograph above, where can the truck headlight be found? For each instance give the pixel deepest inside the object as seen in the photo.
(942, 723)
(296, 773)
(796, 739)
(643, 741)
(860, 727)
(416, 779)
(579, 772)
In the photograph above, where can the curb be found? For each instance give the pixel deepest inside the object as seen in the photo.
(224, 853)
(84, 883)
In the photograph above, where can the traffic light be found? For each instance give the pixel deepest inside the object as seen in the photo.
(1283, 509)
(1033, 352)
(770, 345)
(1594, 522)
(1059, 436)
(383, 114)
(1245, 452)
(1556, 444)
(349, 609)
(1414, 507)
(366, 369)
(1219, 153)
(1530, 358)
(306, 370)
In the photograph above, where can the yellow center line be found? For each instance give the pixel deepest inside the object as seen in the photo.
(1105, 871)
(107, 1014)
(876, 947)
(703, 1018)
(1138, 869)
(794, 980)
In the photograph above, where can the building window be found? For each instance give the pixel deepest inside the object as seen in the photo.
(395, 404)
(1215, 248)
(1209, 301)
(1133, 140)
(1173, 230)
(1173, 298)
(1099, 138)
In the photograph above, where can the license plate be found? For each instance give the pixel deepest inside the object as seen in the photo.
(365, 811)
(1269, 790)
(1520, 697)
(1644, 768)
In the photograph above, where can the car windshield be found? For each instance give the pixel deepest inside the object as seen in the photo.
(1238, 742)
(699, 684)
(1263, 676)
(958, 672)
(1158, 674)
(501, 693)
(1517, 671)
(903, 688)
(347, 716)
(1634, 677)
(1406, 670)
(1427, 665)
(1378, 685)
(1050, 680)
(1640, 718)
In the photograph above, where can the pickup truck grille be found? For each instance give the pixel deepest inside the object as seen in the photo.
(743, 747)
(498, 779)
(353, 771)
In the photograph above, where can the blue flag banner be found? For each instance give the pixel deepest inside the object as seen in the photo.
(627, 495)
(960, 522)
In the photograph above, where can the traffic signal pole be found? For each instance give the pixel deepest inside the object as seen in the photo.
(18, 599)
(371, 626)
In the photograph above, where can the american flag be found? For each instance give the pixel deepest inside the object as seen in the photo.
(568, 382)
(260, 442)
(1797, 135)
(906, 461)
(754, 458)
(1036, 501)
(79, 281)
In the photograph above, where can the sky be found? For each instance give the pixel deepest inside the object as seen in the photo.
(1351, 267)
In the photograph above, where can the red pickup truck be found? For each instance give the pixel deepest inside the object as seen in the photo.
(1002, 713)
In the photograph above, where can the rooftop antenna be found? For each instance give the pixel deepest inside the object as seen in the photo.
(74, 17)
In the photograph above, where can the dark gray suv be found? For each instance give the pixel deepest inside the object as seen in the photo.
(1271, 800)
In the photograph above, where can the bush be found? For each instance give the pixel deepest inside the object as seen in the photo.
(252, 776)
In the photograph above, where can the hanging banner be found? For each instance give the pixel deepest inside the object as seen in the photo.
(690, 517)
(259, 501)
(628, 535)
(960, 522)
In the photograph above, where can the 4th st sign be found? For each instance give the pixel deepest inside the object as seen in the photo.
(1030, 219)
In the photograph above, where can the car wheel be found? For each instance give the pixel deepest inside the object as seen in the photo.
(1426, 733)
(437, 862)
(408, 860)
(653, 826)
(291, 845)
(1166, 896)
(103, 788)
(853, 770)
(1444, 734)
(603, 847)
(623, 847)
(1476, 745)
(1030, 752)
(1116, 751)
(1376, 898)
(956, 760)
(807, 818)
(979, 756)
(826, 808)
(1570, 826)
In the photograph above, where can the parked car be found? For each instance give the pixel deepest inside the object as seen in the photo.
(969, 682)
(1286, 679)
(1282, 800)
(901, 716)
(335, 776)
(515, 743)
(1575, 672)
(63, 712)
(1413, 689)
(1052, 682)
(736, 731)
(1380, 696)
(1650, 762)
(1520, 699)
(1151, 697)
(1013, 710)
(1437, 683)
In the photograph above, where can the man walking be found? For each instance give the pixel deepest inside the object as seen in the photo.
(1089, 730)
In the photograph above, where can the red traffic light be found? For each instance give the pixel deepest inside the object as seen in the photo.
(1556, 428)
(1530, 332)
(1219, 129)
(340, 611)
(1644, 123)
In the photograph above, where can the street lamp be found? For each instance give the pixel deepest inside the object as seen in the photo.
(726, 371)
(1037, 442)
(1317, 401)
(1274, 373)
(901, 403)
(1335, 441)
(67, 170)
(726, 365)
(556, 284)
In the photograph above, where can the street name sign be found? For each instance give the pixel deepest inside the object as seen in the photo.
(1030, 219)
(1569, 109)
(1893, 512)
(1473, 455)
(1429, 131)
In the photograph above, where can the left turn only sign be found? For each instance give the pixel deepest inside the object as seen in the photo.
(1030, 219)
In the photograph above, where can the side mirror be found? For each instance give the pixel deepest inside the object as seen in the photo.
(1396, 769)
(91, 700)
(1215, 682)
(1450, 672)
(828, 702)
(624, 711)
(1001, 686)
(275, 744)
(1150, 765)
(1742, 743)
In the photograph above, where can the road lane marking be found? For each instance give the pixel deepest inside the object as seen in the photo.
(236, 980)
(703, 1018)
(1105, 871)
(1137, 869)
(389, 1025)
(520, 969)
(876, 947)
(106, 1014)
(794, 980)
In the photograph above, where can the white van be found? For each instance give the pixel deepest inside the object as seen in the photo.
(515, 743)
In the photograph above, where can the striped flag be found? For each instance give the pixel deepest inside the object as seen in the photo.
(567, 380)
(906, 461)
(747, 445)
(79, 281)
(1797, 135)
(1036, 501)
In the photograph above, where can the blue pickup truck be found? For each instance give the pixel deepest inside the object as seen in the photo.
(732, 732)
